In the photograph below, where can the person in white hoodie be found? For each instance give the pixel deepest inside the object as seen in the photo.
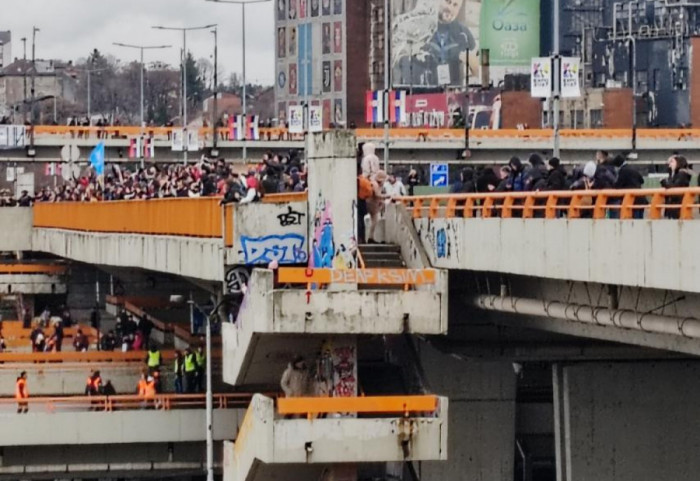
(370, 162)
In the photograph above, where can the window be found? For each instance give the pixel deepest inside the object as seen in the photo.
(596, 118)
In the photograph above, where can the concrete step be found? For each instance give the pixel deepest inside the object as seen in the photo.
(384, 264)
(366, 248)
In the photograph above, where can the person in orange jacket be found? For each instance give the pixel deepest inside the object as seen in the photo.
(22, 393)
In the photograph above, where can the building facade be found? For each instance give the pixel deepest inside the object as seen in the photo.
(316, 63)
(5, 48)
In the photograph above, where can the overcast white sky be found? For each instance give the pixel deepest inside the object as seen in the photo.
(70, 29)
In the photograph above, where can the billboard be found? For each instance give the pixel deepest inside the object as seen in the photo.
(433, 41)
(510, 30)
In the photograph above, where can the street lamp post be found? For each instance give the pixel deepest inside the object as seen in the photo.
(184, 31)
(209, 394)
(243, 4)
(142, 48)
(33, 119)
(215, 113)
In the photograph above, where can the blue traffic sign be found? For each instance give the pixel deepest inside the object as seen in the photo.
(439, 175)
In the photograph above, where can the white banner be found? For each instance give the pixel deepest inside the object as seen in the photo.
(315, 118)
(296, 119)
(13, 136)
(178, 140)
(541, 77)
(570, 83)
(192, 141)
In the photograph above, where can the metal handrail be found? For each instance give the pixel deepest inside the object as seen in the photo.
(552, 204)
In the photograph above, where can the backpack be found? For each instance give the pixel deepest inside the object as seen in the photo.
(364, 188)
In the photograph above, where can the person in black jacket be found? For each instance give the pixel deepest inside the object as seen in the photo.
(629, 178)
(556, 176)
(679, 176)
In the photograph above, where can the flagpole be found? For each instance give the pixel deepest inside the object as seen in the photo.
(387, 87)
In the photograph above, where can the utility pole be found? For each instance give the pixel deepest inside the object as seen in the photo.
(32, 116)
(24, 75)
(387, 87)
(243, 4)
(184, 31)
(215, 114)
(557, 79)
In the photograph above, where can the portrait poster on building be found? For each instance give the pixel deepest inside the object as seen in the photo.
(338, 75)
(314, 8)
(295, 118)
(292, 41)
(326, 39)
(570, 83)
(428, 34)
(178, 140)
(326, 7)
(337, 7)
(281, 42)
(292, 9)
(281, 9)
(292, 79)
(327, 76)
(338, 37)
(315, 118)
(338, 116)
(541, 77)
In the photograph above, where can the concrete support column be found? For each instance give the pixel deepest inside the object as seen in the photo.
(332, 199)
(481, 432)
(628, 421)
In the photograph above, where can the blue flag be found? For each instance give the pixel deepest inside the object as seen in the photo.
(97, 158)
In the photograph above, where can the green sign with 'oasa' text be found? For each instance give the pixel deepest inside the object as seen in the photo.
(510, 30)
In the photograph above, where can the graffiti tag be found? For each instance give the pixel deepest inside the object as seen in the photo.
(235, 279)
(441, 243)
(291, 217)
(285, 249)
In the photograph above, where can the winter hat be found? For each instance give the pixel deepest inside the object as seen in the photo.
(589, 169)
(554, 162)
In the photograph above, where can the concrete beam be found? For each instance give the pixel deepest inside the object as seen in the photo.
(181, 256)
(119, 427)
(16, 231)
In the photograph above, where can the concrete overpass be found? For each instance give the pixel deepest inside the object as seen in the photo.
(408, 145)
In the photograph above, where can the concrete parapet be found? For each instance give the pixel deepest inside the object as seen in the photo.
(16, 232)
(273, 324)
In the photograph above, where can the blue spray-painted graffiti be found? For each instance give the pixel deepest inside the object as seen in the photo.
(285, 249)
(441, 244)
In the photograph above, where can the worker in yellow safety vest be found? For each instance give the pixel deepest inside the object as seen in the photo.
(190, 371)
(153, 359)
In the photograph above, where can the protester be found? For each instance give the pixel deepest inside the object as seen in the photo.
(375, 204)
(178, 368)
(22, 393)
(295, 379)
(679, 175)
(190, 368)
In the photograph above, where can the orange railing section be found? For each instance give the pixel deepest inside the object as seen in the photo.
(35, 268)
(182, 217)
(301, 275)
(418, 133)
(90, 357)
(129, 402)
(597, 204)
(201, 217)
(402, 405)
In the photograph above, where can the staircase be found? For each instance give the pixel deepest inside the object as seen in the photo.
(382, 256)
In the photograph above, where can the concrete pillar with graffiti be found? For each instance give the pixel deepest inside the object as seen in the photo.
(332, 200)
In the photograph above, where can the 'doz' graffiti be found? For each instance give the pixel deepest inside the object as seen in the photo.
(285, 249)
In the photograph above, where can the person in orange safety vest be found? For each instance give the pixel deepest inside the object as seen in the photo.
(22, 393)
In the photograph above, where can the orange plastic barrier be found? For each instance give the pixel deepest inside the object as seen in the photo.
(375, 405)
(79, 357)
(300, 275)
(549, 205)
(48, 269)
(184, 217)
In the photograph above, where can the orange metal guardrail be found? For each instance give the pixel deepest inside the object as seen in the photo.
(301, 275)
(130, 402)
(80, 357)
(418, 133)
(596, 204)
(403, 405)
(48, 269)
(184, 217)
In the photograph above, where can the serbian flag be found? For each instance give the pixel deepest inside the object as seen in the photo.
(375, 107)
(397, 106)
(149, 148)
(252, 128)
(238, 128)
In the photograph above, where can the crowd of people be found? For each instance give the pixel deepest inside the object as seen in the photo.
(206, 178)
